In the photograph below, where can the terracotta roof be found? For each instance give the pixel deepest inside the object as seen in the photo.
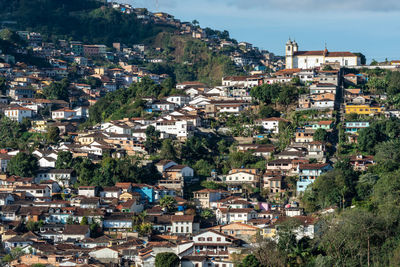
(182, 218)
(325, 122)
(313, 166)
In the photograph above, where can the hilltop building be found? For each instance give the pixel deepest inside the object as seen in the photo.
(312, 59)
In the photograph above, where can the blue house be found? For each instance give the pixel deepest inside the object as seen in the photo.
(308, 173)
(146, 192)
(355, 126)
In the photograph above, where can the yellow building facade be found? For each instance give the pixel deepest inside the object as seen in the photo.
(362, 109)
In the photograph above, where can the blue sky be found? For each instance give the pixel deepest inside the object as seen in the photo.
(371, 27)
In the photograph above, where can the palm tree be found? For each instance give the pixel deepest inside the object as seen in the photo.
(168, 203)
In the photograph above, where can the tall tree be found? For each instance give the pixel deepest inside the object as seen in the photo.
(152, 143)
(167, 259)
(23, 164)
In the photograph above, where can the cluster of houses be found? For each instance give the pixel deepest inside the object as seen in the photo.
(56, 222)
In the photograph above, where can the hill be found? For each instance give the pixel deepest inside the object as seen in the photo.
(83, 20)
(91, 22)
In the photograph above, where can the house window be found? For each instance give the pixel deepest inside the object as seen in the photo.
(209, 238)
(218, 238)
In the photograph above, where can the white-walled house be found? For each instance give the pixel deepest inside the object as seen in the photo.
(183, 224)
(241, 177)
(18, 113)
(270, 124)
(213, 244)
(228, 215)
(63, 114)
(181, 129)
(179, 100)
(64, 177)
(116, 127)
(35, 190)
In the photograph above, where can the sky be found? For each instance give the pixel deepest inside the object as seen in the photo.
(371, 27)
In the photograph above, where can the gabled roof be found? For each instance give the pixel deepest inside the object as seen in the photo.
(315, 166)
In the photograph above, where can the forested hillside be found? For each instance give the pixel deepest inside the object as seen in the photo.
(90, 22)
(82, 20)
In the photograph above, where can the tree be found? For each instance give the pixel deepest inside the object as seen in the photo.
(84, 221)
(23, 164)
(53, 135)
(376, 85)
(152, 143)
(57, 90)
(64, 160)
(33, 226)
(167, 259)
(70, 220)
(268, 112)
(320, 135)
(250, 261)
(367, 139)
(203, 168)
(269, 255)
(167, 150)
(168, 202)
(207, 214)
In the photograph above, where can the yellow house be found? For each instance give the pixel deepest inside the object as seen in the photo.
(362, 109)
(90, 138)
(239, 230)
(39, 125)
(269, 232)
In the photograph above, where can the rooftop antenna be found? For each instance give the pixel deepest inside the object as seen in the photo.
(157, 5)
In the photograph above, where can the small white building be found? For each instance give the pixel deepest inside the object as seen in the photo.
(179, 100)
(182, 224)
(63, 114)
(270, 124)
(18, 113)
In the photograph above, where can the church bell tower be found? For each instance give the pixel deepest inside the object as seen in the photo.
(290, 48)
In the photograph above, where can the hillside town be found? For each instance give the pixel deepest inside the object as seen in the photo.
(100, 173)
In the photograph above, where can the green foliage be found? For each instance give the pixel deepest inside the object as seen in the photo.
(250, 261)
(14, 254)
(64, 160)
(167, 259)
(203, 168)
(124, 102)
(57, 90)
(33, 226)
(168, 202)
(211, 185)
(84, 221)
(268, 112)
(24, 165)
(86, 21)
(53, 135)
(284, 94)
(242, 159)
(332, 188)
(379, 131)
(320, 135)
(152, 143)
(207, 214)
(167, 150)
(14, 134)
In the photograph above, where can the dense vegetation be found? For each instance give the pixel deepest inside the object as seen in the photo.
(108, 172)
(189, 59)
(366, 234)
(83, 20)
(89, 22)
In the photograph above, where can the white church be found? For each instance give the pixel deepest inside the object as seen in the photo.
(312, 59)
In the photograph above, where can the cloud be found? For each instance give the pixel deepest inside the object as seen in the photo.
(317, 5)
